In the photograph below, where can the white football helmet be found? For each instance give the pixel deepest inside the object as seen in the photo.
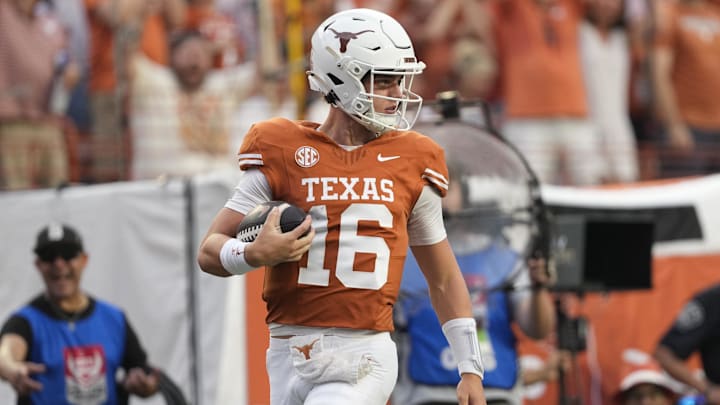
(354, 43)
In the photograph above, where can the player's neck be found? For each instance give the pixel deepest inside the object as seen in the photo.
(344, 130)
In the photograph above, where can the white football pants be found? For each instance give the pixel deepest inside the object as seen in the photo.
(288, 388)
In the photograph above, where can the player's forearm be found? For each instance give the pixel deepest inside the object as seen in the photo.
(209, 255)
(667, 107)
(12, 348)
(535, 376)
(677, 369)
(6, 367)
(451, 300)
(664, 93)
(446, 286)
(537, 317)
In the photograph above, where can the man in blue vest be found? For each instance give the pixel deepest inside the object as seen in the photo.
(504, 288)
(64, 346)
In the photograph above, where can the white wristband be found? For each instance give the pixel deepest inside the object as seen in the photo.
(462, 335)
(232, 257)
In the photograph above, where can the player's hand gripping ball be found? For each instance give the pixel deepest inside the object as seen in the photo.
(290, 217)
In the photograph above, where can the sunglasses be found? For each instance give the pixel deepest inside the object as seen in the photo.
(51, 254)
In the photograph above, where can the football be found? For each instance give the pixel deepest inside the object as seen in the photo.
(290, 217)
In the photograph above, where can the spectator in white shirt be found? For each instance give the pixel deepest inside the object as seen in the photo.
(181, 116)
(606, 64)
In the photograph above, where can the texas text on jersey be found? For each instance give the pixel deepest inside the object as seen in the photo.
(360, 201)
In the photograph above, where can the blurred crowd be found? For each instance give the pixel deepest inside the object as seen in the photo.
(591, 91)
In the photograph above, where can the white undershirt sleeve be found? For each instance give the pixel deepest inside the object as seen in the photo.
(425, 225)
(252, 190)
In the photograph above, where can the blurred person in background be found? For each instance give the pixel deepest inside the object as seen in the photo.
(695, 329)
(72, 101)
(541, 88)
(639, 23)
(242, 14)
(33, 150)
(282, 64)
(606, 63)
(446, 31)
(181, 114)
(426, 379)
(644, 383)
(475, 69)
(557, 361)
(501, 296)
(227, 47)
(117, 29)
(69, 99)
(686, 62)
(65, 346)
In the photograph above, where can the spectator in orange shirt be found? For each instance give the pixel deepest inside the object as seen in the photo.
(686, 63)
(116, 28)
(541, 86)
(454, 34)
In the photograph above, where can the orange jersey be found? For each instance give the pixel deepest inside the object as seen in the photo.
(539, 58)
(102, 62)
(360, 202)
(692, 33)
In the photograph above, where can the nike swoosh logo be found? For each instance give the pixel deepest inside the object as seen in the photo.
(382, 158)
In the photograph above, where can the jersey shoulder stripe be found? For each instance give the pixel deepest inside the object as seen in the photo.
(264, 136)
(436, 178)
(249, 159)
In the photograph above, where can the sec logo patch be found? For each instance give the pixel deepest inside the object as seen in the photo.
(306, 156)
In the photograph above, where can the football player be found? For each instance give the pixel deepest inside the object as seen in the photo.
(371, 187)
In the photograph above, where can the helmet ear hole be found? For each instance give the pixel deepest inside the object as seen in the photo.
(336, 80)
